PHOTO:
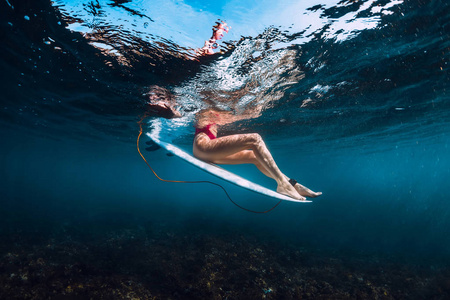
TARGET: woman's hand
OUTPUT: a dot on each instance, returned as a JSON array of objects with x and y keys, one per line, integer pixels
[{"x": 164, "y": 110}]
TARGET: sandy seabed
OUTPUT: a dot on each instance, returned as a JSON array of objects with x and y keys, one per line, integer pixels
[{"x": 157, "y": 261}]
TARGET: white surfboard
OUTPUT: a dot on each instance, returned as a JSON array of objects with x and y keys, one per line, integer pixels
[{"x": 217, "y": 171}]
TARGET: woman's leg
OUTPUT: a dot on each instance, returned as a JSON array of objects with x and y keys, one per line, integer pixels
[
  {"x": 244, "y": 157},
  {"x": 217, "y": 150},
  {"x": 248, "y": 157}
]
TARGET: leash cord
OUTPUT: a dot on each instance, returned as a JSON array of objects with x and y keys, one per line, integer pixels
[{"x": 202, "y": 181}]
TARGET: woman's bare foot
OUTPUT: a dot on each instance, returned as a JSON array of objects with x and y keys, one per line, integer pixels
[
  {"x": 304, "y": 191},
  {"x": 287, "y": 189}
]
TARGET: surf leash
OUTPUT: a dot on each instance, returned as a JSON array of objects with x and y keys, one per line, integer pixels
[{"x": 196, "y": 181}]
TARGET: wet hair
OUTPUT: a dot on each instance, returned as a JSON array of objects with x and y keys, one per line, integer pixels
[
  {"x": 161, "y": 101},
  {"x": 157, "y": 93}
]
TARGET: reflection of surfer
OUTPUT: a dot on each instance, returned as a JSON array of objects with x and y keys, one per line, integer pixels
[
  {"x": 210, "y": 45},
  {"x": 232, "y": 149}
]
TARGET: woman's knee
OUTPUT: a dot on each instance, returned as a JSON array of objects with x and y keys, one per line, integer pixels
[{"x": 255, "y": 139}]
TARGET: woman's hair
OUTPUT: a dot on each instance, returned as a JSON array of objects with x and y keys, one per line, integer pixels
[
  {"x": 157, "y": 93},
  {"x": 161, "y": 101}
]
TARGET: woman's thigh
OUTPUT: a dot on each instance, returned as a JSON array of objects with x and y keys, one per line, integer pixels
[
  {"x": 223, "y": 148},
  {"x": 241, "y": 157}
]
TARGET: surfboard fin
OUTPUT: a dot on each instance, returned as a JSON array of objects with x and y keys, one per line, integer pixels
[{"x": 152, "y": 146}]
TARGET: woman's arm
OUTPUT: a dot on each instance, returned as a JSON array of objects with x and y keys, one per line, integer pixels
[
  {"x": 164, "y": 110},
  {"x": 162, "y": 102}
]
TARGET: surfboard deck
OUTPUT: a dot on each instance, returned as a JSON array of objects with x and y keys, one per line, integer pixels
[{"x": 220, "y": 172}]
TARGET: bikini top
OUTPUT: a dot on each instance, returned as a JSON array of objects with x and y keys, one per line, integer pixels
[{"x": 206, "y": 130}]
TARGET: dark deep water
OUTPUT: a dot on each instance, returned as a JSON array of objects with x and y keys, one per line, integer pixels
[{"x": 354, "y": 104}]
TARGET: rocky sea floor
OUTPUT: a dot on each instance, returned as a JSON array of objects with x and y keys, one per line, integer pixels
[{"x": 126, "y": 260}]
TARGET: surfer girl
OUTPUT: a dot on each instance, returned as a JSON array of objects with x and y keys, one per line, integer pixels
[
  {"x": 248, "y": 148},
  {"x": 210, "y": 45}
]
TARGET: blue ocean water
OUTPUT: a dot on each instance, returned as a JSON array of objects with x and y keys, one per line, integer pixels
[{"x": 350, "y": 96}]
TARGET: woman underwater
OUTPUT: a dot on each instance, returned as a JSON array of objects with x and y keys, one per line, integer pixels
[{"x": 246, "y": 148}]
